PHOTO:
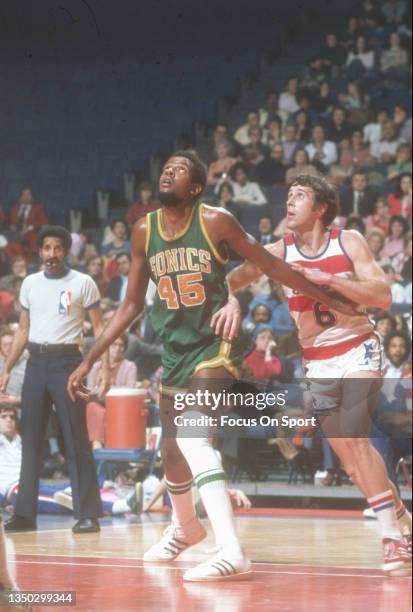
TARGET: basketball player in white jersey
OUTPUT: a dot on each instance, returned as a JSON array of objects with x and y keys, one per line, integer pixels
[{"x": 337, "y": 348}]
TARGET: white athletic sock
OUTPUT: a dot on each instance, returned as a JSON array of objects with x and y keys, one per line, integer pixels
[
  {"x": 5, "y": 579},
  {"x": 183, "y": 509},
  {"x": 383, "y": 506},
  {"x": 210, "y": 480},
  {"x": 404, "y": 518}
]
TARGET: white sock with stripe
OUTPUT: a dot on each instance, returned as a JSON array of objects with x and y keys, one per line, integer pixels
[
  {"x": 183, "y": 508},
  {"x": 211, "y": 482},
  {"x": 383, "y": 506},
  {"x": 5, "y": 578}
]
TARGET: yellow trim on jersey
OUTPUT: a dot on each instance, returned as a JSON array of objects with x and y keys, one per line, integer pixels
[
  {"x": 221, "y": 360},
  {"x": 171, "y": 391},
  {"x": 148, "y": 232},
  {"x": 181, "y": 233},
  {"x": 208, "y": 239}
]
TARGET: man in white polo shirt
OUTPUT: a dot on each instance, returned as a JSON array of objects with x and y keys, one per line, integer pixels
[{"x": 54, "y": 305}]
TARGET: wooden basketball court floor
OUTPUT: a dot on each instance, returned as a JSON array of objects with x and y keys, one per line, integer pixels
[{"x": 303, "y": 560}]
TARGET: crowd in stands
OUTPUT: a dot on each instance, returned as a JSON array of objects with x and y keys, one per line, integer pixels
[{"x": 346, "y": 117}]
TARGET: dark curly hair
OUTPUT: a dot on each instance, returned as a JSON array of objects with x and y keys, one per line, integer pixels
[{"x": 324, "y": 193}]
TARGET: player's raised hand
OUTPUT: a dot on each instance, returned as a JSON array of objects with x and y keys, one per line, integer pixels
[{"x": 226, "y": 320}]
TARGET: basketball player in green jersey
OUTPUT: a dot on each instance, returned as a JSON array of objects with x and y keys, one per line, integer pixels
[{"x": 183, "y": 248}]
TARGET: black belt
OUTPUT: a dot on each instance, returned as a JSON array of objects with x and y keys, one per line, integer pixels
[{"x": 62, "y": 349}]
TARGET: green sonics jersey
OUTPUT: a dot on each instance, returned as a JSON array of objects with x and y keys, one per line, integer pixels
[{"x": 190, "y": 277}]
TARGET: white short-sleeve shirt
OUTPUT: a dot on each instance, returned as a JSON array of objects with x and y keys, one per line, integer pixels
[{"x": 57, "y": 306}]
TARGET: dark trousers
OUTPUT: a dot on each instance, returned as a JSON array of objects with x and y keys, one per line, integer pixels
[{"x": 45, "y": 384}]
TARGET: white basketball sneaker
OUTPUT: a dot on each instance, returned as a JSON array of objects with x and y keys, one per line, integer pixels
[
  {"x": 176, "y": 540},
  {"x": 222, "y": 567}
]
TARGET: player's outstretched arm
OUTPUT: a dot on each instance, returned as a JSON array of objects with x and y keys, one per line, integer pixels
[
  {"x": 226, "y": 229},
  {"x": 132, "y": 305},
  {"x": 369, "y": 287}
]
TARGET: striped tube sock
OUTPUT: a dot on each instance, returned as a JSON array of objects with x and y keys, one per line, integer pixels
[
  {"x": 404, "y": 518},
  {"x": 182, "y": 502},
  {"x": 210, "y": 480},
  {"x": 383, "y": 506},
  {"x": 5, "y": 578}
]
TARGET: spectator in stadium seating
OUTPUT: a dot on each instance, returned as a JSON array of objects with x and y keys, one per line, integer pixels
[
  {"x": 361, "y": 54},
  {"x": 118, "y": 284},
  {"x": 271, "y": 171},
  {"x": 245, "y": 191},
  {"x": 397, "y": 290},
  {"x": 333, "y": 55},
  {"x": 394, "y": 243},
  {"x": 120, "y": 242},
  {"x": 18, "y": 269},
  {"x": 256, "y": 150},
  {"x": 305, "y": 104},
  {"x": 225, "y": 198},
  {"x": 15, "y": 385},
  {"x": 353, "y": 30},
  {"x": 123, "y": 374},
  {"x": 27, "y": 218},
  {"x": 265, "y": 230},
  {"x": 375, "y": 240},
  {"x": 280, "y": 321},
  {"x": 270, "y": 110},
  {"x": 274, "y": 131},
  {"x": 359, "y": 199},
  {"x": 321, "y": 150},
  {"x": 385, "y": 323},
  {"x": 262, "y": 362},
  {"x": 94, "y": 267},
  {"x": 370, "y": 13},
  {"x": 403, "y": 163},
  {"x": 403, "y": 122},
  {"x": 373, "y": 132},
  {"x": 400, "y": 202},
  {"x": 223, "y": 163},
  {"x": 242, "y": 135},
  {"x": 402, "y": 262},
  {"x": 288, "y": 98},
  {"x": 303, "y": 123},
  {"x": 385, "y": 150},
  {"x": 339, "y": 129},
  {"x": 394, "y": 60},
  {"x": 356, "y": 102},
  {"x": 393, "y": 11},
  {"x": 354, "y": 222},
  {"x": 381, "y": 217},
  {"x": 397, "y": 350},
  {"x": 145, "y": 351},
  {"x": 323, "y": 101},
  {"x": 220, "y": 134},
  {"x": 359, "y": 149},
  {"x": 145, "y": 203},
  {"x": 314, "y": 74},
  {"x": 291, "y": 143},
  {"x": 301, "y": 165},
  {"x": 342, "y": 172}
]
